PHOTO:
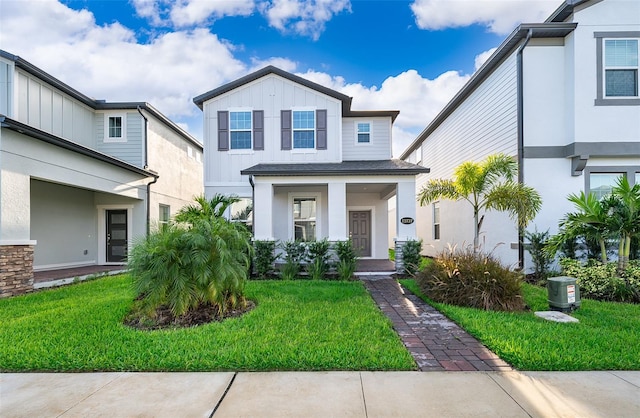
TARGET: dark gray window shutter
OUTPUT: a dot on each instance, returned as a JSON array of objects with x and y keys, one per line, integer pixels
[
  {"x": 321, "y": 128},
  {"x": 223, "y": 130},
  {"x": 285, "y": 125},
  {"x": 258, "y": 130}
]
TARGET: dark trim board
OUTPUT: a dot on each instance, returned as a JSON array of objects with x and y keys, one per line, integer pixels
[{"x": 588, "y": 149}]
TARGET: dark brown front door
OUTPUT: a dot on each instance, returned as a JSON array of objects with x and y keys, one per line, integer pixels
[
  {"x": 360, "y": 231},
  {"x": 116, "y": 236}
]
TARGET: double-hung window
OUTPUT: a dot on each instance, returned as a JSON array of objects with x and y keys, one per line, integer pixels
[
  {"x": 114, "y": 128},
  {"x": 436, "y": 220},
  {"x": 164, "y": 216},
  {"x": 304, "y": 218},
  {"x": 363, "y": 132},
  {"x": 240, "y": 130},
  {"x": 304, "y": 129},
  {"x": 621, "y": 67}
]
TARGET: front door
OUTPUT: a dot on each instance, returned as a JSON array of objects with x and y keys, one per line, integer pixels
[
  {"x": 360, "y": 231},
  {"x": 116, "y": 236}
]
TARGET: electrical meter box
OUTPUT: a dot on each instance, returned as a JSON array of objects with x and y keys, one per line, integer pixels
[{"x": 564, "y": 294}]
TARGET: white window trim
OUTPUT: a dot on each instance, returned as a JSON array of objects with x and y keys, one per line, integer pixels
[
  {"x": 302, "y": 195},
  {"x": 605, "y": 68},
  {"x": 433, "y": 221},
  {"x": 314, "y": 149},
  {"x": 123, "y": 117},
  {"x": 363, "y": 144},
  {"x": 240, "y": 150}
]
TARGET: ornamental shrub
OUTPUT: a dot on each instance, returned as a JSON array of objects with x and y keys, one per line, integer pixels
[
  {"x": 477, "y": 280},
  {"x": 602, "y": 282},
  {"x": 318, "y": 257},
  {"x": 264, "y": 259},
  {"x": 294, "y": 255},
  {"x": 347, "y": 259},
  {"x": 411, "y": 257}
]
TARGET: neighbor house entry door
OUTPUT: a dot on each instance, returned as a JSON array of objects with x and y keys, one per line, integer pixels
[
  {"x": 116, "y": 236},
  {"x": 360, "y": 231}
]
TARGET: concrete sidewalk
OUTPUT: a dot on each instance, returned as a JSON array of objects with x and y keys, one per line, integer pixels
[{"x": 321, "y": 394}]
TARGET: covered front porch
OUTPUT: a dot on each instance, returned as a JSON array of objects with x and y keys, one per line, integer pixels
[{"x": 334, "y": 201}]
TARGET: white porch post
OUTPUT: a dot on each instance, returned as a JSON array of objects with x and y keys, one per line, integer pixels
[
  {"x": 337, "y": 204},
  {"x": 405, "y": 209},
  {"x": 263, "y": 211}
]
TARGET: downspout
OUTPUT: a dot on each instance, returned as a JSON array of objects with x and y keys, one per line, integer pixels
[
  {"x": 146, "y": 166},
  {"x": 520, "y": 111}
]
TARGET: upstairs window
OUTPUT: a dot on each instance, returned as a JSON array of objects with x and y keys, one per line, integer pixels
[
  {"x": 115, "y": 128},
  {"x": 621, "y": 67},
  {"x": 304, "y": 129},
  {"x": 363, "y": 132},
  {"x": 240, "y": 130}
]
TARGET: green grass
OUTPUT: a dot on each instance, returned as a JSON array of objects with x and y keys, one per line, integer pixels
[
  {"x": 606, "y": 338},
  {"x": 301, "y": 325}
]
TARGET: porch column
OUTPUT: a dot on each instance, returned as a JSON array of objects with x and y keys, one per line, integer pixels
[
  {"x": 337, "y": 204},
  {"x": 405, "y": 210},
  {"x": 263, "y": 211}
]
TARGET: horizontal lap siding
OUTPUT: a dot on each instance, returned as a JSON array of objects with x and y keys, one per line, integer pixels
[
  {"x": 485, "y": 123},
  {"x": 378, "y": 149},
  {"x": 132, "y": 150}
]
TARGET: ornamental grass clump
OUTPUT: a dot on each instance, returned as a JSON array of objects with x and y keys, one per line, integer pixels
[{"x": 471, "y": 279}]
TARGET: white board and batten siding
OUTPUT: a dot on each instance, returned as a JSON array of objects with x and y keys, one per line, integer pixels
[
  {"x": 379, "y": 146},
  {"x": 483, "y": 124},
  {"x": 48, "y": 109},
  {"x": 271, "y": 94}
]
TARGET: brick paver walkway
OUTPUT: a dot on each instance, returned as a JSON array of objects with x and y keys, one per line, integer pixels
[{"x": 434, "y": 341}]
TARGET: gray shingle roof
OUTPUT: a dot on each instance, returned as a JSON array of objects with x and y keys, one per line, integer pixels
[{"x": 377, "y": 167}]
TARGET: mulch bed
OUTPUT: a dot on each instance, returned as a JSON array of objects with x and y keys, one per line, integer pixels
[{"x": 164, "y": 319}]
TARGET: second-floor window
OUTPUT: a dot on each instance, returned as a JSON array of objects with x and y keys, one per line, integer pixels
[
  {"x": 240, "y": 130},
  {"x": 364, "y": 132},
  {"x": 304, "y": 129},
  {"x": 115, "y": 128},
  {"x": 621, "y": 67}
]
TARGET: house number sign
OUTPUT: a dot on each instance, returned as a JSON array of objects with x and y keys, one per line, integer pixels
[{"x": 406, "y": 221}]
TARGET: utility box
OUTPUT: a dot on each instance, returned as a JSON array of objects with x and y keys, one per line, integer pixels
[{"x": 564, "y": 294}]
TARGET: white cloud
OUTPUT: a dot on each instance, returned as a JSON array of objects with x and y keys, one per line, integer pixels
[
  {"x": 192, "y": 12},
  {"x": 417, "y": 98},
  {"x": 107, "y": 62},
  {"x": 151, "y": 10},
  {"x": 302, "y": 17},
  {"x": 482, "y": 57},
  {"x": 500, "y": 16}
]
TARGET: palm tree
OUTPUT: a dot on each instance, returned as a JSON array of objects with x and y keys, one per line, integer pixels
[
  {"x": 486, "y": 185},
  {"x": 205, "y": 208},
  {"x": 591, "y": 220},
  {"x": 625, "y": 217}
]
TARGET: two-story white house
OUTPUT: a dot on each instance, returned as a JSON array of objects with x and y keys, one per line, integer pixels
[
  {"x": 81, "y": 179},
  {"x": 560, "y": 96},
  {"x": 309, "y": 165}
]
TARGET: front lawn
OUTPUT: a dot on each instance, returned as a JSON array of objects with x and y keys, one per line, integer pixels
[
  {"x": 607, "y": 337},
  {"x": 300, "y": 325}
]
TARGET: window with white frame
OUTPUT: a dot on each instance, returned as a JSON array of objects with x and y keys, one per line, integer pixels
[
  {"x": 304, "y": 218},
  {"x": 242, "y": 211},
  {"x": 436, "y": 220},
  {"x": 304, "y": 129},
  {"x": 115, "y": 128},
  {"x": 164, "y": 216},
  {"x": 621, "y": 68},
  {"x": 601, "y": 184},
  {"x": 240, "y": 130},
  {"x": 363, "y": 132}
]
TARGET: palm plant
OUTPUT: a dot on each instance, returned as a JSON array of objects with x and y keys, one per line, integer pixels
[
  {"x": 624, "y": 214},
  {"x": 205, "y": 208},
  {"x": 590, "y": 220},
  {"x": 487, "y": 185}
]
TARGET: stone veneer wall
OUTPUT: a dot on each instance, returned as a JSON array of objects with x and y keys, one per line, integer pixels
[
  {"x": 399, "y": 260},
  {"x": 16, "y": 270}
]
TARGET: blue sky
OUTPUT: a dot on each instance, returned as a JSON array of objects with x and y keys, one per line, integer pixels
[{"x": 411, "y": 56}]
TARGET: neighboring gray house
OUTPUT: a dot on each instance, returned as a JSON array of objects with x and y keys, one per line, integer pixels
[
  {"x": 80, "y": 178},
  {"x": 560, "y": 96},
  {"x": 309, "y": 165}
]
